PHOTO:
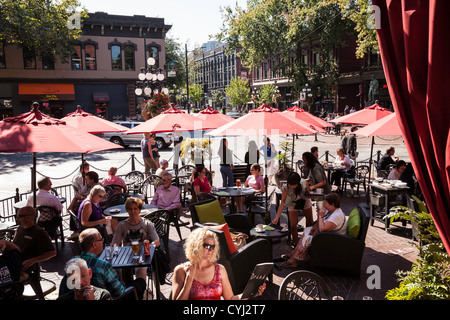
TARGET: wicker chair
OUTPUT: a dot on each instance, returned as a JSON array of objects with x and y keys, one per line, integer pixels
[{"x": 303, "y": 285}]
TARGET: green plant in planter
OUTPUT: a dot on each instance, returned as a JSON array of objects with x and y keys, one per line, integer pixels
[{"x": 429, "y": 278}]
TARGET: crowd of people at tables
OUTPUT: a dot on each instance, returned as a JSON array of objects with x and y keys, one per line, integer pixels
[{"x": 191, "y": 280}]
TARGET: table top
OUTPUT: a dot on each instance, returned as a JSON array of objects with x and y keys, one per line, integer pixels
[
  {"x": 268, "y": 234},
  {"x": 120, "y": 212},
  {"x": 124, "y": 257},
  {"x": 233, "y": 192},
  {"x": 23, "y": 203},
  {"x": 388, "y": 187}
]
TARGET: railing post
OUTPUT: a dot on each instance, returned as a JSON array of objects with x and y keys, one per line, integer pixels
[
  {"x": 326, "y": 155},
  {"x": 133, "y": 167},
  {"x": 17, "y": 196},
  {"x": 378, "y": 155}
]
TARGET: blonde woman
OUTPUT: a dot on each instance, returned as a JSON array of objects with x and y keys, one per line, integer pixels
[{"x": 202, "y": 278}]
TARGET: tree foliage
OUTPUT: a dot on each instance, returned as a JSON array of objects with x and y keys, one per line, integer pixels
[
  {"x": 175, "y": 53},
  {"x": 238, "y": 91},
  {"x": 41, "y": 26},
  {"x": 282, "y": 30},
  {"x": 196, "y": 92}
]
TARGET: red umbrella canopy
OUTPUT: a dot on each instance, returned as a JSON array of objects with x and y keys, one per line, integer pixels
[
  {"x": 265, "y": 121},
  {"x": 304, "y": 115},
  {"x": 364, "y": 116},
  {"x": 91, "y": 123},
  {"x": 387, "y": 126},
  {"x": 213, "y": 117},
  {"x": 36, "y": 132},
  {"x": 169, "y": 120}
]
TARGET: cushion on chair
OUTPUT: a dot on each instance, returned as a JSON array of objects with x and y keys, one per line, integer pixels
[
  {"x": 353, "y": 224},
  {"x": 226, "y": 232},
  {"x": 422, "y": 207},
  {"x": 210, "y": 212}
]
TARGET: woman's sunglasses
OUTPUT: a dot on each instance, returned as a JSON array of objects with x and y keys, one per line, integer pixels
[{"x": 209, "y": 247}]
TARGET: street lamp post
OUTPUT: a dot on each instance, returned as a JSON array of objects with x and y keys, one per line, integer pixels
[{"x": 151, "y": 80}]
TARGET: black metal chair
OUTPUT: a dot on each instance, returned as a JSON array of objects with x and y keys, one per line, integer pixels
[
  {"x": 261, "y": 206},
  {"x": 137, "y": 177},
  {"x": 145, "y": 189},
  {"x": 40, "y": 286},
  {"x": 356, "y": 177},
  {"x": 302, "y": 169},
  {"x": 11, "y": 291},
  {"x": 50, "y": 219},
  {"x": 161, "y": 221},
  {"x": 303, "y": 285},
  {"x": 116, "y": 199}
]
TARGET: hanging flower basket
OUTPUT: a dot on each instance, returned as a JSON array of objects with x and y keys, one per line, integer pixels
[{"x": 158, "y": 103}]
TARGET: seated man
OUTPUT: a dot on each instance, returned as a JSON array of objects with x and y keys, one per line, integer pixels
[
  {"x": 79, "y": 282},
  {"x": 10, "y": 263},
  {"x": 44, "y": 197},
  {"x": 103, "y": 274},
  {"x": 386, "y": 159},
  {"x": 34, "y": 243},
  {"x": 167, "y": 196},
  {"x": 164, "y": 164}
]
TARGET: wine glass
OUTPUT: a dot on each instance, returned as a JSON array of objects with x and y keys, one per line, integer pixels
[{"x": 135, "y": 247}]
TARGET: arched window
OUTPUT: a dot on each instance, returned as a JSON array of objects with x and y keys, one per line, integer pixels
[
  {"x": 75, "y": 58},
  {"x": 116, "y": 58},
  {"x": 90, "y": 57},
  {"x": 129, "y": 58}
]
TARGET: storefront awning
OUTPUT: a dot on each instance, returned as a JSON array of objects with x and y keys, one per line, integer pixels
[
  {"x": 100, "y": 97},
  {"x": 46, "y": 91}
]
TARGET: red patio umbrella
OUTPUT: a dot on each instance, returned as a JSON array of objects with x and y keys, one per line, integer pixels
[
  {"x": 36, "y": 132},
  {"x": 304, "y": 115},
  {"x": 364, "y": 116},
  {"x": 91, "y": 123},
  {"x": 167, "y": 120},
  {"x": 265, "y": 121},
  {"x": 387, "y": 126},
  {"x": 214, "y": 117}
]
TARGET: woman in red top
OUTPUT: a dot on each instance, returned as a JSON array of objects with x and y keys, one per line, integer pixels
[
  {"x": 202, "y": 278},
  {"x": 201, "y": 182}
]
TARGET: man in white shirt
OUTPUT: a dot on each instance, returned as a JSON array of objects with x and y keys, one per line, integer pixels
[{"x": 44, "y": 197}]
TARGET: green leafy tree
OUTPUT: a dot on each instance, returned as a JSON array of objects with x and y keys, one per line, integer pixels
[
  {"x": 47, "y": 28},
  {"x": 196, "y": 93},
  {"x": 217, "y": 98},
  {"x": 266, "y": 92},
  {"x": 175, "y": 54},
  {"x": 282, "y": 30},
  {"x": 238, "y": 92}
]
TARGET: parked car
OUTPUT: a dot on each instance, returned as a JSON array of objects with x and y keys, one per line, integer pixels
[{"x": 163, "y": 140}]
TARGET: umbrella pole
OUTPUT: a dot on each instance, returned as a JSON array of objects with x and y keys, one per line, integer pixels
[
  {"x": 82, "y": 170},
  {"x": 293, "y": 152},
  {"x": 33, "y": 180},
  {"x": 266, "y": 179}
]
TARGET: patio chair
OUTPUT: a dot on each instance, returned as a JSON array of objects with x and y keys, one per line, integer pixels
[
  {"x": 7, "y": 234},
  {"x": 356, "y": 177},
  {"x": 161, "y": 221},
  {"x": 116, "y": 199},
  {"x": 341, "y": 252},
  {"x": 303, "y": 285},
  {"x": 210, "y": 211},
  {"x": 302, "y": 169},
  {"x": 261, "y": 206},
  {"x": 50, "y": 219},
  {"x": 40, "y": 286}
]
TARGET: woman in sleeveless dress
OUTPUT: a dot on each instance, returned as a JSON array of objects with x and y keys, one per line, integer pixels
[{"x": 202, "y": 278}]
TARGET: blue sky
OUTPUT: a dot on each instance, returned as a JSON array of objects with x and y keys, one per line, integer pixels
[{"x": 192, "y": 20}]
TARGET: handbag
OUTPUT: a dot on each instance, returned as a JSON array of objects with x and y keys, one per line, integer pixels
[{"x": 239, "y": 239}]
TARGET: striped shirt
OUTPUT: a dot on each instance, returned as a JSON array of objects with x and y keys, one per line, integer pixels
[{"x": 103, "y": 274}]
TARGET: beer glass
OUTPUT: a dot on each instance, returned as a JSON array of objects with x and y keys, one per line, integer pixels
[
  {"x": 135, "y": 248},
  {"x": 238, "y": 183}
]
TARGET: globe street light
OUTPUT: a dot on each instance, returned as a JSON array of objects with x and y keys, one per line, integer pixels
[{"x": 151, "y": 80}]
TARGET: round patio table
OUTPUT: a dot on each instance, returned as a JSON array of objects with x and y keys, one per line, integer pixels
[
  {"x": 119, "y": 211},
  {"x": 233, "y": 192}
]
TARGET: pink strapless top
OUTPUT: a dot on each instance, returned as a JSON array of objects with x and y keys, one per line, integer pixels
[{"x": 207, "y": 291}]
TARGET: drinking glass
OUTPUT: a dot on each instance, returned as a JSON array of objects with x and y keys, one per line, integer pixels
[
  {"x": 135, "y": 247},
  {"x": 238, "y": 183}
]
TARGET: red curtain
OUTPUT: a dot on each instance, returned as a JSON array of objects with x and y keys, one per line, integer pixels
[{"x": 414, "y": 39}]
